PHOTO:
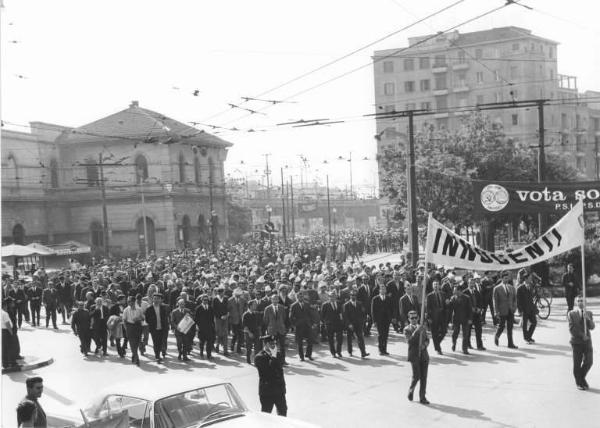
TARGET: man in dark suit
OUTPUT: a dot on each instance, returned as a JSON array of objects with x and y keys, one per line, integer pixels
[
  {"x": 99, "y": 316},
  {"x": 301, "y": 319},
  {"x": 251, "y": 321},
  {"x": 527, "y": 307},
  {"x": 460, "y": 306},
  {"x": 236, "y": 306},
  {"x": 354, "y": 318},
  {"x": 35, "y": 302},
  {"x": 487, "y": 290},
  {"x": 408, "y": 303},
  {"x": 363, "y": 295},
  {"x": 157, "y": 317},
  {"x": 50, "y": 301},
  {"x": 476, "y": 313},
  {"x": 436, "y": 315},
  {"x": 331, "y": 314},
  {"x": 570, "y": 283},
  {"x": 219, "y": 306},
  {"x": 205, "y": 320},
  {"x": 271, "y": 383},
  {"x": 382, "y": 310},
  {"x": 416, "y": 336},
  {"x": 505, "y": 305},
  {"x": 581, "y": 342},
  {"x": 81, "y": 325}
]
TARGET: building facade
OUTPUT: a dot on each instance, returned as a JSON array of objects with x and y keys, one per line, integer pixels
[
  {"x": 130, "y": 182},
  {"x": 456, "y": 70}
]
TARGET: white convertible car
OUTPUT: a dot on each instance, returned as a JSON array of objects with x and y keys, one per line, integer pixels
[{"x": 174, "y": 401}]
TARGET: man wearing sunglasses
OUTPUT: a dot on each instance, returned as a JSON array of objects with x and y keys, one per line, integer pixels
[{"x": 416, "y": 336}]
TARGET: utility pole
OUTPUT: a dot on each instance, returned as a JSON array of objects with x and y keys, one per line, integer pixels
[
  {"x": 328, "y": 210},
  {"x": 141, "y": 178},
  {"x": 351, "y": 192},
  {"x": 541, "y": 173},
  {"x": 292, "y": 207},
  {"x": 283, "y": 222},
  {"x": 104, "y": 209},
  {"x": 268, "y": 173},
  {"x": 412, "y": 192},
  {"x": 213, "y": 234}
]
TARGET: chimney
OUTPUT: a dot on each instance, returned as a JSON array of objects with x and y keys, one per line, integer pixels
[{"x": 134, "y": 104}]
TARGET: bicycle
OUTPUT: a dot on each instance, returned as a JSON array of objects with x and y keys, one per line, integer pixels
[{"x": 542, "y": 302}]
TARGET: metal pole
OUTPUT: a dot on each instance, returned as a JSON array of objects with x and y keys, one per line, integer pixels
[
  {"x": 144, "y": 216},
  {"x": 292, "y": 196},
  {"x": 283, "y": 224},
  {"x": 412, "y": 192},
  {"x": 328, "y": 210},
  {"x": 351, "y": 192},
  {"x": 267, "y": 173},
  {"x": 212, "y": 216},
  {"x": 541, "y": 161},
  {"x": 288, "y": 218},
  {"x": 104, "y": 209}
]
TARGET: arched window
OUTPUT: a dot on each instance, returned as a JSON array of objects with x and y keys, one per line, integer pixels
[
  {"x": 96, "y": 234},
  {"x": 142, "y": 236},
  {"x": 186, "y": 230},
  {"x": 91, "y": 172},
  {"x": 18, "y": 234},
  {"x": 53, "y": 173},
  {"x": 181, "y": 168},
  {"x": 141, "y": 169},
  {"x": 197, "y": 175}
]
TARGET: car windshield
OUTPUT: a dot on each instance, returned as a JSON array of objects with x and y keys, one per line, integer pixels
[{"x": 199, "y": 406}]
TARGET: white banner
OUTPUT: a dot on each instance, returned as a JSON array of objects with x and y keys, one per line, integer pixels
[{"x": 444, "y": 247}]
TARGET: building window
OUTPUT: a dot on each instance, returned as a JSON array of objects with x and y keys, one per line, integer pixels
[
  {"x": 96, "y": 234},
  {"x": 563, "y": 121},
  {"x": 596, "y": 124},
  {"x": 389, "y": 108},
  {"x": 426, "y": 106},
  {"x": 441, "y": 102},
  {"x": 440, "y": 83},
  {"x": 515, "y": 46},
  {"x": 515, "y": 119},
  {"x": 479, "y": 76},
  {"x": 424, "y": 63},
  {"x": 388, "y": 66},
  {"x": 18, "y": 234},
  {"x": 91, "y": 172},
  {"x": 579, "y": 144},
  {"x": 197, "y": 175},
  {"x": 141, "y": 169},
  {"x": 439, "y": 61},
  {"x": 389, "y": 88},
  {"x": 410, "y": 106},
  {"x": 211, "y": 171},
  {"x": 514, "y": 71},
  {"x": 409, "y": 86},
  {"x": 462, "y": 100},
  {"x": 478, "y": 53},
  {"x": 581, "y": 163},
  {"x": 551, "y": 74},
  {"x": 409, "y": 64},
  {"x": 425, "y": 85},
  {"x": 550, "y": 52},
  {"x": 53, "y": 173},
  {"x": 181, "y": 168},
  {"x": 461, "y": 57},
  {"x": 479, "y": 99}
]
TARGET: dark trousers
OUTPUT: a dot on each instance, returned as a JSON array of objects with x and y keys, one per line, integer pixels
[
  {"x": 528, "y": 330},
  {"x": 303, "y": 332},
  {"x": 488, "y": 301},
  {"x": 456, "y": 327},
  {"x": 120, "y": 346},
  {"x": 85, "y": 339},
  {"x": 383, "y": 330},
  {"x": 237, "y": 337},
  {"x": 207, "y": 340},
  {"x": 65, "y": 310},
  {"x": 22, "y": 312},
  {"x": 335, "y": 338},
  {"x": 359, "y": 339},
  {"x": 419, "y": 374},
  {"x": 134, "y": 335},
  {"x": 476, "y": 325},
  {"x": 9, "y": 356},
  {"x": 251, "y": 343},
  {"x": 100, "y": 339},
  {"x": 35, "y": 306},
  {"x": 368, "y": 325},
  {"x": 583, "y": 358},
  {"x": 570, "y": 296},
  {"x": 438, "y": 331},
  {"x": 51, "y": 313},
  {"x": 280, "y": 338},
  {"x": 158, "y": 338},
  {"x": 268, "y": 401},
  {"x": 508, "y": 321},
  {"x": 144, "y": 342}
]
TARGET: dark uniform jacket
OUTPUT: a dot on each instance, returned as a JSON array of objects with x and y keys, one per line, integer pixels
[
  {"x": 50, "y": 298},
  {"x": 355, "y": 314},
  {"x": 332, "y": 318},
  {"x": 382, "y": 310},
  {"x": 270, "y": 372},
  {"x": 205, "y": 320},
  {"x": 436, "y": 306},
  {"x": 460, "y": 307},
  {"x": 300, "y": 316},
  {"x": 81, "y": 321},
  {"x": 525, "y": 303},
  {"x": 150, "y": 316}
]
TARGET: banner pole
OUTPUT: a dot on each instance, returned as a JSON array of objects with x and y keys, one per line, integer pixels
[
  {"x": 585, "y": 332},
  {"x": 424, "y": 293}
]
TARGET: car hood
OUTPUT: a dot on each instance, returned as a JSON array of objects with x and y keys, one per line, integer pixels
[{"x": 263, "y": 420}]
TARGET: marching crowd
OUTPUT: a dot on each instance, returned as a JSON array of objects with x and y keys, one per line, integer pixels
[{"x": 225, "y": 302}]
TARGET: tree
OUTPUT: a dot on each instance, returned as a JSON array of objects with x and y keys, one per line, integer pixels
[
  {"x": 447, "y": 162},
  {"x": 240, "y": 220}
]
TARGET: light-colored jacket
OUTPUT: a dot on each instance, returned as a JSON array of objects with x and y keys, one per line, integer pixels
[{"x": 275, "y": 323}]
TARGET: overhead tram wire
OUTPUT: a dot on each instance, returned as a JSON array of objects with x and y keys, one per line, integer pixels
[
  {"x": 378, "y": 59},
  {"x": 303, "y": 75}
]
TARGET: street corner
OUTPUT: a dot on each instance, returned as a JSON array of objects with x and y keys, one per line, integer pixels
[{"x": 28, "y": 363}]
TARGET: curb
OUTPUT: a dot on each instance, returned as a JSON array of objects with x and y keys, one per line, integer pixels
[{"x": 25, "y": 366}]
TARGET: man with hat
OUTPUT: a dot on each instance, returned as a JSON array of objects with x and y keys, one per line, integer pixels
[{"x": 271, "y": 383}]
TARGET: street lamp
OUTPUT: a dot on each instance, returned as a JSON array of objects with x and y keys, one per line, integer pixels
[{"x": 334, "y": 210}]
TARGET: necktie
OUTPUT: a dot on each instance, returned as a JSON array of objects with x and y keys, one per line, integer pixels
[
  {"x": 101, "y": 312},
  {"x": 334, "y": 308},
  {"x": 275, "y": 307},
  {"x": 439, "y": 299}
]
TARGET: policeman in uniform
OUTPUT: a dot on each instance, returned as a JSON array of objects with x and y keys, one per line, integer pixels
[{"x": 271, "y": 383}]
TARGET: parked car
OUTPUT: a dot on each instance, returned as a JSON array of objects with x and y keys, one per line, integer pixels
[{"x": 173, "y": 401}]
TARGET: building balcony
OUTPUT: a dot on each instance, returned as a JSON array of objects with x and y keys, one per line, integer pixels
[
  {"x": 439, "y": 68},
  {"x": 460, "y": 66},
  {"x": 439, "y": 92},
  {"x": 461, "y": 88},
  {"x": 440, "y": 115}
]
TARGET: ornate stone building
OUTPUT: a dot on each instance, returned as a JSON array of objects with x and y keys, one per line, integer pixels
[{"x": 131, "y": 180}]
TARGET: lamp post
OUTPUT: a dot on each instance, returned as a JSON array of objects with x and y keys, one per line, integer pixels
[
  {"x": 334, "y": 210},
  {"x": 269, "y": 228}
]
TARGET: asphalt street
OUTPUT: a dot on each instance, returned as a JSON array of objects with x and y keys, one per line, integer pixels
[{"x": 527, "y": 387}]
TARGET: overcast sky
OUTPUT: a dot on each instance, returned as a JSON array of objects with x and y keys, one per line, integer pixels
[{"x": 83, "y": 60}]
